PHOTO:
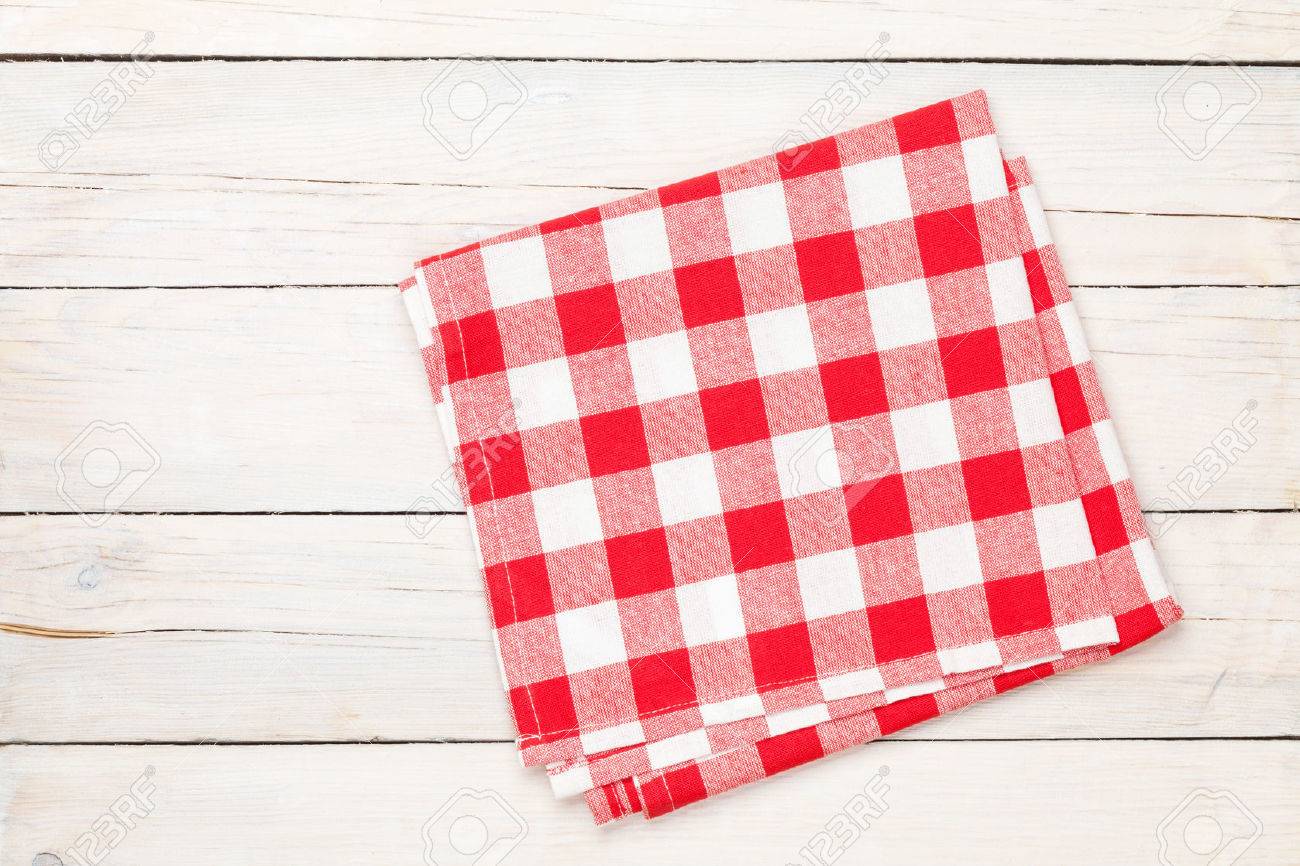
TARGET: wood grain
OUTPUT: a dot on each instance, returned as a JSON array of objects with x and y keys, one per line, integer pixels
[
  {"x": 369, "y": 803},
  {"x": 768, "y": 29},
  {"x": 309, "y": 172},
  {"x": 315, "y": 400},
  {"x": 373, "y": 576},
  {"x": 280, "y": 628},
  {"x": 1206, "y": 678},
  {"x": 103, "y": 230}
]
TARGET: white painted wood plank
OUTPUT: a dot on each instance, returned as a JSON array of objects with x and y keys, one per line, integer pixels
[
  {"x": 104, "y": 230},
  {"x": 769, "y": 29},
  {"x": 977, "y": 803},
  {"x": 372, "y": 575},
  {"x": 315, "y": 400},
  {"x": 1205, "y": 678},
  {"x": 1091, "y": 133},
  {"x": 351, "y": 628},
  {"x": 323, "y": 173}
]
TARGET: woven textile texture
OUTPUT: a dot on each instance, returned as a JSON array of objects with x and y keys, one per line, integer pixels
[{"x": 781, "y": 459}]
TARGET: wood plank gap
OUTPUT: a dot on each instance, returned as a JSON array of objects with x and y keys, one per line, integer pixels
[
  {"x": 452, "y": 741},
  {"x": 344, "y": 513},
  {"x": 506, "y": 58}
]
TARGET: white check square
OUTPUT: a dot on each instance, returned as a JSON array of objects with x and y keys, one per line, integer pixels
[
  {"x": 984, "y": 171},
  {"x": 877, "y": 192},
  {"x": 516, "y": 271},
  {"x": 604, "y": 739},
  {"x": 973, "y": 657},
  {"x": 852, "y": 684},
  {"x": 782, "y": 340},
  {"x": 1063, "y": 535},
  {"x": 1033, "y": 407},
  {"x": 710, "y": 610},
  {"x": 567, "y": 515},
  {"x": 830, "y": 583},
  {"x": 806, "y": 462},
  {"x": 1111, "y": 455},
  {"x": 799, "y": 717},
  {"x": 687, "y": 488},
  {"x": 757, "y": 218},
  {"x": 732, "y": 710},
  {"x": 542, "y": 393},
  {"x": 662, "y": 367},
  {"x": 949, "y": 558},
  {"x": 1009, "y": 289},
  {"x": 1072, "y": 328},
  {"x": 590, "y": 637},
  {"x": 674, "y": 750},
  {"x": 1037, "y": 218},
  {"x": 925, "y": 436},
  {"x": 637, "y": 244},
  {"x": 900, "y": 314},
  {"x": 1090, "y": 632},
  {"x": 1153, "y": 581}
]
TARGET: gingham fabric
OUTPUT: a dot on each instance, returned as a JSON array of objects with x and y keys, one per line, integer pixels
[{"x": 781, "y": 459}]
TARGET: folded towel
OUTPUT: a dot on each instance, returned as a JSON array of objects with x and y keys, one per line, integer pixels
[{"x": 781, "y": 459}]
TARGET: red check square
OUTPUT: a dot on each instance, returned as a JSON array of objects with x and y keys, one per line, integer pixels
[
  {"x": 972, "y": 362},
  {"x": 949, "y": 240},
  {"x": 927, "y": 127},
  {"x": 759, "y": 536},
  {"x": 615, "y": 441},
  {"x": 734, "y": 414},
  {"x": 901, "y": 629},
  {"x": 544, "y": 707},
  {"x": 662, "y": 680},
  {"x": 996, "y": 485},
  {"x": 589, "y": 319},
  {"x": 781, "y": 655},
  {"x": 709, "y": 292},
  {"x": 1018, "y": 604},
  {"x": 854, "y": 387},
  {"x": 639, "y": 563},
  {"x": 828, "y": 266}
]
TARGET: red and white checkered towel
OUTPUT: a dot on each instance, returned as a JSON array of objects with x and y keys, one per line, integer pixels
[{"x": 782, "y": 459}]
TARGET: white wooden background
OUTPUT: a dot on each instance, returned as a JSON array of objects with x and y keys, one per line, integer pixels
[{"x": 309, "y": 681}]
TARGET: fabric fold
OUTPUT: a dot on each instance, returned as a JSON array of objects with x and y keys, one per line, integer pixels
[{"x": 782, "y": 459}]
